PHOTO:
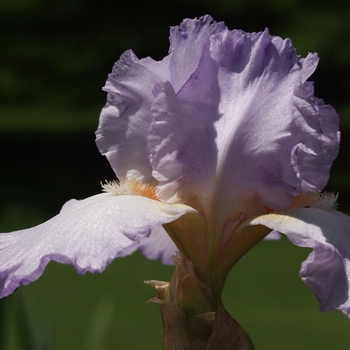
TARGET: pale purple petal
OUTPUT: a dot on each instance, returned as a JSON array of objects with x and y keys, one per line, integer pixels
[
  {"x": 262, "y": 133},
  {"x": 126, "y": 118},
  {"x": 187, "y": 42},
  {"x": 183, "y": 164},
  {"x": 312, "y": 164},
  {"x": 158, "y": 246},
  {"x": 273, "y": 236},
  {"x": 327, "y": 269},
  {"x": 268, "y": 114},
  {"x": 88, "y": 234}
]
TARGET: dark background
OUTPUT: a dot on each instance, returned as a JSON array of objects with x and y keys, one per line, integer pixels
[{"x": 55, "y": 57}]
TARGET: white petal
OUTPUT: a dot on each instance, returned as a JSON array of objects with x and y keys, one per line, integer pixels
[{"x": 88, "y": 234}]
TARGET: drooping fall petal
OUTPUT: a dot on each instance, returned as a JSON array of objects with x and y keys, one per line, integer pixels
[
  {"x": 327, "y": 269},
  {"x": 88, "y": 234},
  {"x": 158, "y": 246}
]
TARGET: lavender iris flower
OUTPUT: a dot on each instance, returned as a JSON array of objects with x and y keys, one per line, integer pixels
[{"x": 215, "y": 146}]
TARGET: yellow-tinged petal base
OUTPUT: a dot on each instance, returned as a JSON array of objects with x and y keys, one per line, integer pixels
[{"x": 192, "y": 318}]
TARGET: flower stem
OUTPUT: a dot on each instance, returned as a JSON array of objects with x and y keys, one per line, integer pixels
[{"x": 192, "y": 319}]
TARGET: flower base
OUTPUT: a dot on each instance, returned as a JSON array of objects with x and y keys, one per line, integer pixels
[{"x": 191, "y": 318}]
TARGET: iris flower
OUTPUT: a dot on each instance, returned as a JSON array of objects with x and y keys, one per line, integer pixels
[{"x": 214, "y": 147}]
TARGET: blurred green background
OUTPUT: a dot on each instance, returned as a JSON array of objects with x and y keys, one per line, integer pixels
[{"x": 54, "y": 60}]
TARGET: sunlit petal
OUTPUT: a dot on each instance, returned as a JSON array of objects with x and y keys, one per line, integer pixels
[
  {"x": 327, "y": 269},
  {"x": 88, "y": 234},
  {"x": 245, "y": 124},
  {"x": 186, "y": 47},
  {"x": 126, "y": 118}
]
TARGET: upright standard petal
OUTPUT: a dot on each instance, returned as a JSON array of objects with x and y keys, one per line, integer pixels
[
  {"x": 263, "y": 134},
  {"x": 327, "y": 269},
  {"x": 269, "y": 115},
  {"x": 125, "y": 120},
  {"x": 186, "y": 47},
  {"x": 243, "y": 135},
  {"x": 88, "y": 234},
  {"x": 227, "y": 88}
]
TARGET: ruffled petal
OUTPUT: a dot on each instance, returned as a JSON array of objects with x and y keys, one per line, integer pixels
[
  {"x": 327, "y": 269},
  {"x": 182, "y": 137},
  {"x": 125, "y": 120},
  {"x": 269, "y": 115},
  {"x": 88, "y": 234},
  {"x": 261, "y": 131},
  {"x": 186, "y": 46},
  {"x": 184, "y": 154}
]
